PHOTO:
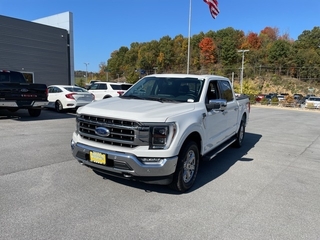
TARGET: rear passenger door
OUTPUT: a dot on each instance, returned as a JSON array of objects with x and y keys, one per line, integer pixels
[
  {"x": 99, "y": 90},
  {"x": 232, "y": 111}
]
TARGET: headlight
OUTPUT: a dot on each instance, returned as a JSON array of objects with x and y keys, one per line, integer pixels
[{"x": 161, "y": 136}]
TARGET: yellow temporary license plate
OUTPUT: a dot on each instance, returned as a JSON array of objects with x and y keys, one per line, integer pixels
[{"x": 98, "y": 158}]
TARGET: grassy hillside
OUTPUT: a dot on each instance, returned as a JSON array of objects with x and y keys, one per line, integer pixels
[
  {"x": 276, "y": 84},
  {"x": 265, "y": 85}
]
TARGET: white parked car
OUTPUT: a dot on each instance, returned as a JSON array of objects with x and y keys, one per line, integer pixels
[
  {"x": 281, "y": 98},
  {"x": 313, "y": 100},
  {"x": 61, "y": 97},
  {"x": 102, "y": 90}
]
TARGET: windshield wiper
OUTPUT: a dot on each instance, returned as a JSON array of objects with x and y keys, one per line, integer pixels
[
  {"x": 132, "y": 97},
  {"x": 159, "y": 99}
]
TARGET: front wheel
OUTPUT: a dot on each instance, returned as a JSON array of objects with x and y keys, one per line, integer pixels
[
  {"x": 34, "y": 112},
  {"x": 187, "y": 167}
]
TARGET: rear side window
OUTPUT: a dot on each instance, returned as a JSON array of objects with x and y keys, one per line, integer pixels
[
  {"x": 102, "y": 86},
  {"x": 226, "y": 91},
  {"x": 13, "y": 77},
  {"x": 115, "y": 87},
  {"x": 125, "y": 86}
]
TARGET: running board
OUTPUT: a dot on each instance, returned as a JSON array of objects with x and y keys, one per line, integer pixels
[{"x": 218, "y": 149}]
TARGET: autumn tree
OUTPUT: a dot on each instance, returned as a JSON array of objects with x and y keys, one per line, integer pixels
[
  {"x": 166, "y": 54},
  {"x": 207, "y": 48},
  {"x": 253, "y": 40},
  {"x": 180, "y": 49}
]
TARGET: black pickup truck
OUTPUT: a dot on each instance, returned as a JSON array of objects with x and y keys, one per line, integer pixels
[{"x": 16, "y": 93}]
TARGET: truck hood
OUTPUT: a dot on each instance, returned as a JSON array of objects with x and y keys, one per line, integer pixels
[{"x": 136, "y": 110}]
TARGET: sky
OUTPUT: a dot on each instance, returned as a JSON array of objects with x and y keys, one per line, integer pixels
[{"x": 103, "y": 26}]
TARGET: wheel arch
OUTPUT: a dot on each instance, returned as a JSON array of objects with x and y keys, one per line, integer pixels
[
  {"x": 195, "y": 137},
  {"x": 244, "y": 118}
]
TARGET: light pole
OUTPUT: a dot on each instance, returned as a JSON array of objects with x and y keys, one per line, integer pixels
[
  {"x": 241, "y": 79},
  {"x": 86, "y": 71},
  {"x": 155, "y": 70}
]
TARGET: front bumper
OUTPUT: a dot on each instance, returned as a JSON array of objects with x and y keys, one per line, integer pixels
[{"x": 126, "y": 165}]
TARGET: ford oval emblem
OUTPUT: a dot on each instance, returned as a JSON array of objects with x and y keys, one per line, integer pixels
[
  {"x": 102, "y": 131},
  {"x": 24, "y": 90}
]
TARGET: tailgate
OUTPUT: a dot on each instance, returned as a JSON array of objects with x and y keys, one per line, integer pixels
[{"x": 23, "y": 91}]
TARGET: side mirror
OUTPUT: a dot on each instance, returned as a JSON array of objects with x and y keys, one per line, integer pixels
[{"x": 217, "y": 104}]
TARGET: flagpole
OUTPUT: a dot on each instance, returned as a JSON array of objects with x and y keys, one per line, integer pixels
[{"x": 189, "y": 38}]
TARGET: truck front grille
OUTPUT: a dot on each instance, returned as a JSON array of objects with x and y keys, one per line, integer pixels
[{"x": 122, "y": 132}]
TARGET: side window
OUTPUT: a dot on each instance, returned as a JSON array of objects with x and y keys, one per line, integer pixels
[
  {"x": 212, "y": 91},
  {"x": 93, "y": 86},
  {"x": 56, "y": 90},
  {"x": 226, "y": 91},
  {"x": 50, "y": 90},
  {"x": 102, "y": 86}
]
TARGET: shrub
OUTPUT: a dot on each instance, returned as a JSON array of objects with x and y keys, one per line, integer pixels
[
  {"x": 264, "y": 101},
  {"x": 274, "y": 101},
  {"x": 310, "y": 105},
  {"x": 252, "y": 99}
]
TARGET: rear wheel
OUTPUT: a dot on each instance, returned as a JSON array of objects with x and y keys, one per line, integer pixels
[
  {"x": 240, "y": 134},
  {"x": 58, "y": 106},
  {"x": 34, "y": 112},
  {"x": 187, "y": 167}
]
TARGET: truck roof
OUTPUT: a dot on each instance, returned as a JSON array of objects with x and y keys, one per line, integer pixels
[{"x": 180, "y": 75}]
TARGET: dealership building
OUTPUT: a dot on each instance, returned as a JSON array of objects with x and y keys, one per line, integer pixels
[{"x": 42, "y": 49}]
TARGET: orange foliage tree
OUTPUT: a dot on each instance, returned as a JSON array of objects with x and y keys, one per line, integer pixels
[
  {"x": 254, "y": 40},
  {"x": 207, "y": 50}
]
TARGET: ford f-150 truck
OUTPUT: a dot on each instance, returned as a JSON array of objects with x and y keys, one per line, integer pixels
[
  {"x": 160, "y": 129},
  {"x": 16, "y": 93}
]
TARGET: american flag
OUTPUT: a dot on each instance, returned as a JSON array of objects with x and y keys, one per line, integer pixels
[{"x": 213, "y": 7}]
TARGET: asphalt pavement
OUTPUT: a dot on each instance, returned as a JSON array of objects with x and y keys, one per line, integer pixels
[{"x": 268, "y": 189}]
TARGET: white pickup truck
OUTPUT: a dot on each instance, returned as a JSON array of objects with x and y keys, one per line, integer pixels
[{"x": 160, "y": 129}]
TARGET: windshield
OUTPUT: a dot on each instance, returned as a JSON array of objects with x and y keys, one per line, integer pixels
[{"x": 166, "y": 89}]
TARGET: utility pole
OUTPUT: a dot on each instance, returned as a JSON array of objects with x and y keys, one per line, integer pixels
[
  {"x": 241, "y": 78},
  {"x": 86, "y": 71},
  {"x": 155, "y": 70}
]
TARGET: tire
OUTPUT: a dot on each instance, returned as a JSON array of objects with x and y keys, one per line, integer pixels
[
  {"x": 187, "y": 167},
  {"x": 34, "y": 112},
  {"x": 240, "y": 134},
  {"x": 58, "y": 106}
]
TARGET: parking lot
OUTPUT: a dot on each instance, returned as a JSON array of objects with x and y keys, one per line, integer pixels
[{"x": 268, "y": 189}]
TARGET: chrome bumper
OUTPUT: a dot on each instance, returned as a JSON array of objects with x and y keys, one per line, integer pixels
[
  {"x": 125, "y": 164},
  {"x": 14, "y": 104}
]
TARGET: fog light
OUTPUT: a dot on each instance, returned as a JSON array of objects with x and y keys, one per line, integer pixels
[{"x": 72, "y": 144}]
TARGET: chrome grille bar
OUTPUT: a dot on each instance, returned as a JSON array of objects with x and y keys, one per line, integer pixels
[{"x": 122, "y": 132}]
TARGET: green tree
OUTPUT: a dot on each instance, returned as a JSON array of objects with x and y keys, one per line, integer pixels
[
  {"x": 279, "y": 53},
  {"x": 166, "y": 54}
]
